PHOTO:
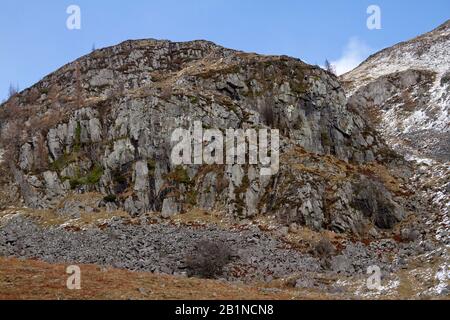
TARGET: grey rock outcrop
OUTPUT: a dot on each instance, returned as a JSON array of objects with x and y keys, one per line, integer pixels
[{"x": 121, "y": 104}]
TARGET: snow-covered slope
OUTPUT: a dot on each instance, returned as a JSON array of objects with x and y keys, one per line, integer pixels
[
  {"x": 406, "y": 91},
  {"x": 430, "y": 51}
]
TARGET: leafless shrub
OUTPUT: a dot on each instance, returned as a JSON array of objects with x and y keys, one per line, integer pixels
[
  {"x": 324, "y": 248},
  {"x": 208, "y": 259}
]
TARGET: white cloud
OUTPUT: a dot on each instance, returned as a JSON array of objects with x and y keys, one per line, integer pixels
[{"x": 353, "y": 54}]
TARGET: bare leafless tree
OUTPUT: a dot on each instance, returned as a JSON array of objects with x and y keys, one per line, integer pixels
[
  {"x": 13, "y": 90},
  {"x": 41, "y": 153},
  {"x": 11, "y": 139},
  {"x": 329, "y": 67},
  {"x": 79, "y": 99}
]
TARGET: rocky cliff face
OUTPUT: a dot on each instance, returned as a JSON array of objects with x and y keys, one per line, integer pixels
[
  {"x": 88, "y": 151},
  {"x": 103, "y": 124}
]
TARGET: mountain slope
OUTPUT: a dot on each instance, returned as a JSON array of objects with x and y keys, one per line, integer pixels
[
  {"x": 405, "y": 92},
  {"x": 90, "y": 145},
  {"x": 406, "y": 89}
]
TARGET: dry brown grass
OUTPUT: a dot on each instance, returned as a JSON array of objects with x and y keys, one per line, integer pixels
[
  {"x": 51, "y": 218},
  {"x": 29, "y": 279},
  {"x": 35, "y": 280},
  {"x": 197, "y": 216}
]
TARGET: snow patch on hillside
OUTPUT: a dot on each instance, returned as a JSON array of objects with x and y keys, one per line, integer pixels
[{"x": 429, "y": 52}]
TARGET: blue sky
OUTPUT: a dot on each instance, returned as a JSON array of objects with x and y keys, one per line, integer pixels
[{"x": 35, "y": 41}]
